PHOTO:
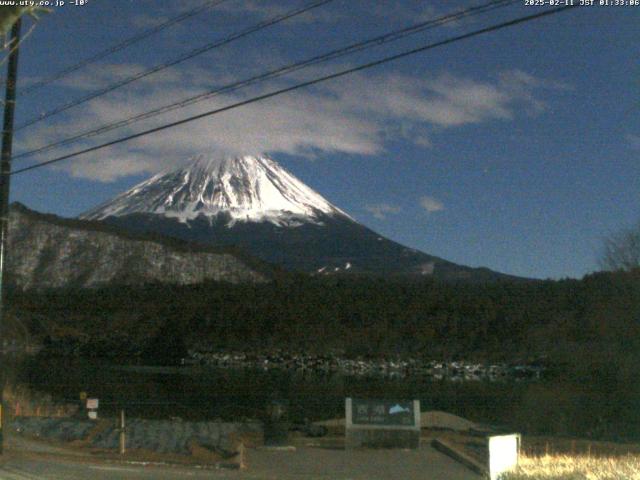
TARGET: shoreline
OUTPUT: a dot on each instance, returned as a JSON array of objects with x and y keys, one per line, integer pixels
[{"x": 384, "y": 367}]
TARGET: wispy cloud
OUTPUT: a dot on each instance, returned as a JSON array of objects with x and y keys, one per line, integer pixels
[
  {"x": 409, "y": 12},
  {"x": 262, "y": 10},
  {"x": 228, "y": 10},
  {"x": 148, "y": 20},
  {"x": 431, "y": 204},
  {"x": 381, "y": 210},
  {"x": 98, "y": 76},
  {"x": 633, "y": 141},
  {"x": 349, "y": 116},
  {"x": 404, "y": 12}
]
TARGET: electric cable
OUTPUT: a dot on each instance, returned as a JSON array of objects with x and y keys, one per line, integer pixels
[
  {"x": 305, "y": 84},
  {"x": 332, "y": 55},
  {"x": 122, "y": 45},
  {"x": 171, "y": 63}
]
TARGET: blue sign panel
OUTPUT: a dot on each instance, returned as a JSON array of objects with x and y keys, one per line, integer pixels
[{"x": 383, "y": 413}]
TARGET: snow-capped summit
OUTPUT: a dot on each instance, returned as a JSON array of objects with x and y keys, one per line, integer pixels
[
  {"x": 255, "y": 205},
  {"x": 247, "y": 189}
]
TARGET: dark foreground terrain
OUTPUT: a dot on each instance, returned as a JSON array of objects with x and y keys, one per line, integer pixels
[{"x": 585, "y": 333}]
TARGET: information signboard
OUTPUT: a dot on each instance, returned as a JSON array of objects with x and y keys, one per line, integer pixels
[
  {"x": 382, "y": 423},
  {"x": 382, "y": 412}
]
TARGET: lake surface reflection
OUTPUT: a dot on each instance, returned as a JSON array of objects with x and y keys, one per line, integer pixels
[{"x": 199, "y": 393}]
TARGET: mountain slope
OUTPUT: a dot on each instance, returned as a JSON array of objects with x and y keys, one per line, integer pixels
[
  {"x": 246, "y": 189},
  {"x": 255, "y": 204},
  {"x": 51, "y": 252}
]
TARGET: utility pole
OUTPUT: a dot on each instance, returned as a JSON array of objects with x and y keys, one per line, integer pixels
[{"x": 5, "y": 172}]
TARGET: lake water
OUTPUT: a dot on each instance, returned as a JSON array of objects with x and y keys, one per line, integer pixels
[{"x": 199, "y": 393}]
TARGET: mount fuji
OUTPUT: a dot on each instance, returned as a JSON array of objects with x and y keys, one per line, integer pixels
[{"x": 255, "y": 204}]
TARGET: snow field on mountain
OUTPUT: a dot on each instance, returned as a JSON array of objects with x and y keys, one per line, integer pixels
[{"x": 247, "y": 189}]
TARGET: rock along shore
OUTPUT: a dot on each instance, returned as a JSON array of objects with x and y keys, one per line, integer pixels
[{"x": 400, "y": 368}]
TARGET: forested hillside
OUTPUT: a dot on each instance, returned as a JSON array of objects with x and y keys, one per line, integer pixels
[{"x": 356, "y": 316}]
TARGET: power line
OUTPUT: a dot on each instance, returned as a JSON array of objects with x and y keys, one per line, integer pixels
[
  {"x": 298, "y": 86},
  {"x": 193, "y": 53},
  {"x": 122, "y": 45},
  {"x": 332, "y": 55}
]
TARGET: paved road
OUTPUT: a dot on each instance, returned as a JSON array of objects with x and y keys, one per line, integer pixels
[
  {"x": 324, "y": 464},
  {"x": 313, "y": 464},
  {"x": 50, "y": 469},
  {"x": 22, "y": 462}
]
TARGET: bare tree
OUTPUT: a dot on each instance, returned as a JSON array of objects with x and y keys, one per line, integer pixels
[
  {"x": 622, "y": 250},
  {"x": 10, "y": 15}
]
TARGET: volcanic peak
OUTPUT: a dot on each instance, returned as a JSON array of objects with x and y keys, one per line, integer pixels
[{"x": 246, "y": 188}]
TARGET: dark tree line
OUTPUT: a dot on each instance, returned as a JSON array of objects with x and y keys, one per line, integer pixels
[{"x": 355, "y": 316}]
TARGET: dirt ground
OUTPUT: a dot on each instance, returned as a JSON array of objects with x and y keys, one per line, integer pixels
[{"x": 311, "y": 459}]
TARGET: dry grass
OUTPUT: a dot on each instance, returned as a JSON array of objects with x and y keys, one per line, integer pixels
[
  {"x": 22, "y": 401},
  {"x": 577, "y": 467}
]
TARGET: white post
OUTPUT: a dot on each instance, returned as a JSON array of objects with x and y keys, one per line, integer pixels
[{"x": 122, "y": 434}]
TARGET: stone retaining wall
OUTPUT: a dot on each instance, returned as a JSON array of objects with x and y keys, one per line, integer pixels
[{"x": 162, "y": 436}]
